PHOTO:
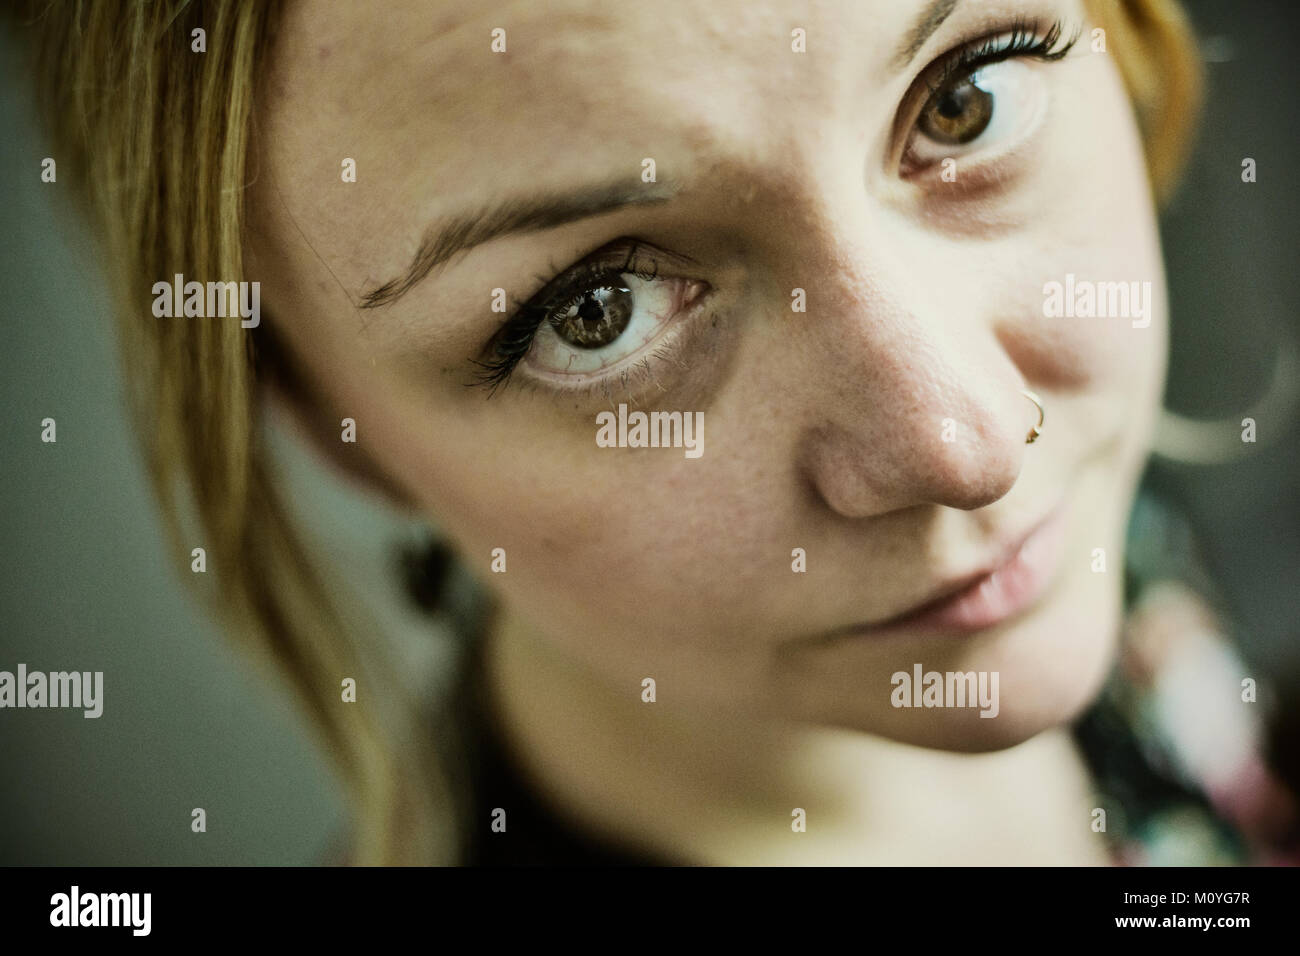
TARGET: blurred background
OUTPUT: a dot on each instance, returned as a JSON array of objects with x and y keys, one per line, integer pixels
[{"x": 88, "y": 583}]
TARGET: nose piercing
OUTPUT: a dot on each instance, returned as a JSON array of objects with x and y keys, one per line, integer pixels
[{"x": 1037, "y": 429}]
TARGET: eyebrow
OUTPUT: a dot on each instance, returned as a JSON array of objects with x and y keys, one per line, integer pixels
[
  {"x": 931, "y": 19},
  {"x": 517, "y": 215}
]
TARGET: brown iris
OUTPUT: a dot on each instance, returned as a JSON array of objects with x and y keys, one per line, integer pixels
[
  {"x": 957, "y": 113},
  {"x": 596, "y": 318}
]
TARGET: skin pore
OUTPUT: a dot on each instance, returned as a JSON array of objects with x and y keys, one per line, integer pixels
[{"x": 775, "y": 171}]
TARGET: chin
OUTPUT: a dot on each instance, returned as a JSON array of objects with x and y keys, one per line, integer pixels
[{"x": 1050, "y": 667}]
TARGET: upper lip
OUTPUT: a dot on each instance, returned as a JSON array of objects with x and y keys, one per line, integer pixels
[{"x": 956, "y": 584}]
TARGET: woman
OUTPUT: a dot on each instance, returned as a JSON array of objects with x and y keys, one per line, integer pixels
[{"x": 883, "y": 280}]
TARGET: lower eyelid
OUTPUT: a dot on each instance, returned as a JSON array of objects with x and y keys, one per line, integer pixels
[{"x": 638, "y": 382}]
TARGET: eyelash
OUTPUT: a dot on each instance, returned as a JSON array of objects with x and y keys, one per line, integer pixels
[
  {"x": 513, "y": 340},
  {"x": 1024, "y": 38}
]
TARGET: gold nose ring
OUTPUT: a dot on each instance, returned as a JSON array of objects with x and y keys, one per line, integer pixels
[{"x": 1037, "y": 429}]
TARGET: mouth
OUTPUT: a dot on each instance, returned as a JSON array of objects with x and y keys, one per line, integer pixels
[{"x": 1007, "y": 588}]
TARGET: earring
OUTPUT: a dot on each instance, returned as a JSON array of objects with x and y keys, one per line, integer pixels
[{"x": 1037, "y": 429}]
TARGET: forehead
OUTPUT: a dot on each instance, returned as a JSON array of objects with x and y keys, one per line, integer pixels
[
  {"x": 438, "y": 122},
  {"x": 578, "y": 81}
]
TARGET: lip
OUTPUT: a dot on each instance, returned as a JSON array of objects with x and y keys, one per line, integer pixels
[{"x": 999, "y": 593}]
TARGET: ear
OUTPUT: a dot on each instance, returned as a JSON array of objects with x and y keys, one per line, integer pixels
[{"x": 292, "y": 409}]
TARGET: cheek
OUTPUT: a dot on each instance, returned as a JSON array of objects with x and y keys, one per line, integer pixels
[
  {"x": 1106, "y": 234},
  {"x": 631, "y": 564},
  {"x": 598, "y": 541},
  {"x": 1081, "y": 292}
]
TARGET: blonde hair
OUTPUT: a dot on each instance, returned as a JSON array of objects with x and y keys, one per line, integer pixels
[{"x": 158, "y": 139}]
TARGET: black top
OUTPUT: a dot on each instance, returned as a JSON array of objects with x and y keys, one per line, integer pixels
[{"x": 535, "y": 834}]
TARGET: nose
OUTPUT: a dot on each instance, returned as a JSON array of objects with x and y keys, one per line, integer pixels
[{"x": 917, "y": 401}]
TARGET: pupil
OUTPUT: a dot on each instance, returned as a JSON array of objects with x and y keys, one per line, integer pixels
[
  {"x": 954, "y": 102},
  {"x": 959, "y": 113},
  {"x": 590, "y": 310},
  {"x": 596, "y": 319}
]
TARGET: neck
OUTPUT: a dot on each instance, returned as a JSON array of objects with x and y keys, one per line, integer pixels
[{"x": 717, "y": 786}]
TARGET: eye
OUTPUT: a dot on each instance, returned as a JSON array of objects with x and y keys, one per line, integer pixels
[
  {"x": 602, "y": 326},
  {"x": 984, "y": 96},
  {"x": 597, "y": 317},
  {"x": 958, "y": 113},
  {"x": 990, "y": 108},
  {"x": 602, "y": 315}
]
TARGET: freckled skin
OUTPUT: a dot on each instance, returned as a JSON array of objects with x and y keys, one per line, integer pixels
[{"x": 822, "y": 428}]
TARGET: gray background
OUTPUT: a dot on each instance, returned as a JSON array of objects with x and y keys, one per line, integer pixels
[{"x": 86, "y": 583}]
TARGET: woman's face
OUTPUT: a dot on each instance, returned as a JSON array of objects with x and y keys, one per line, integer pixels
[{"x": 853, "y": 316}]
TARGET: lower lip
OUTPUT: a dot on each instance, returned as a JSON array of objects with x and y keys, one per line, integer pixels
[{"x": 997, "y": 597}]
